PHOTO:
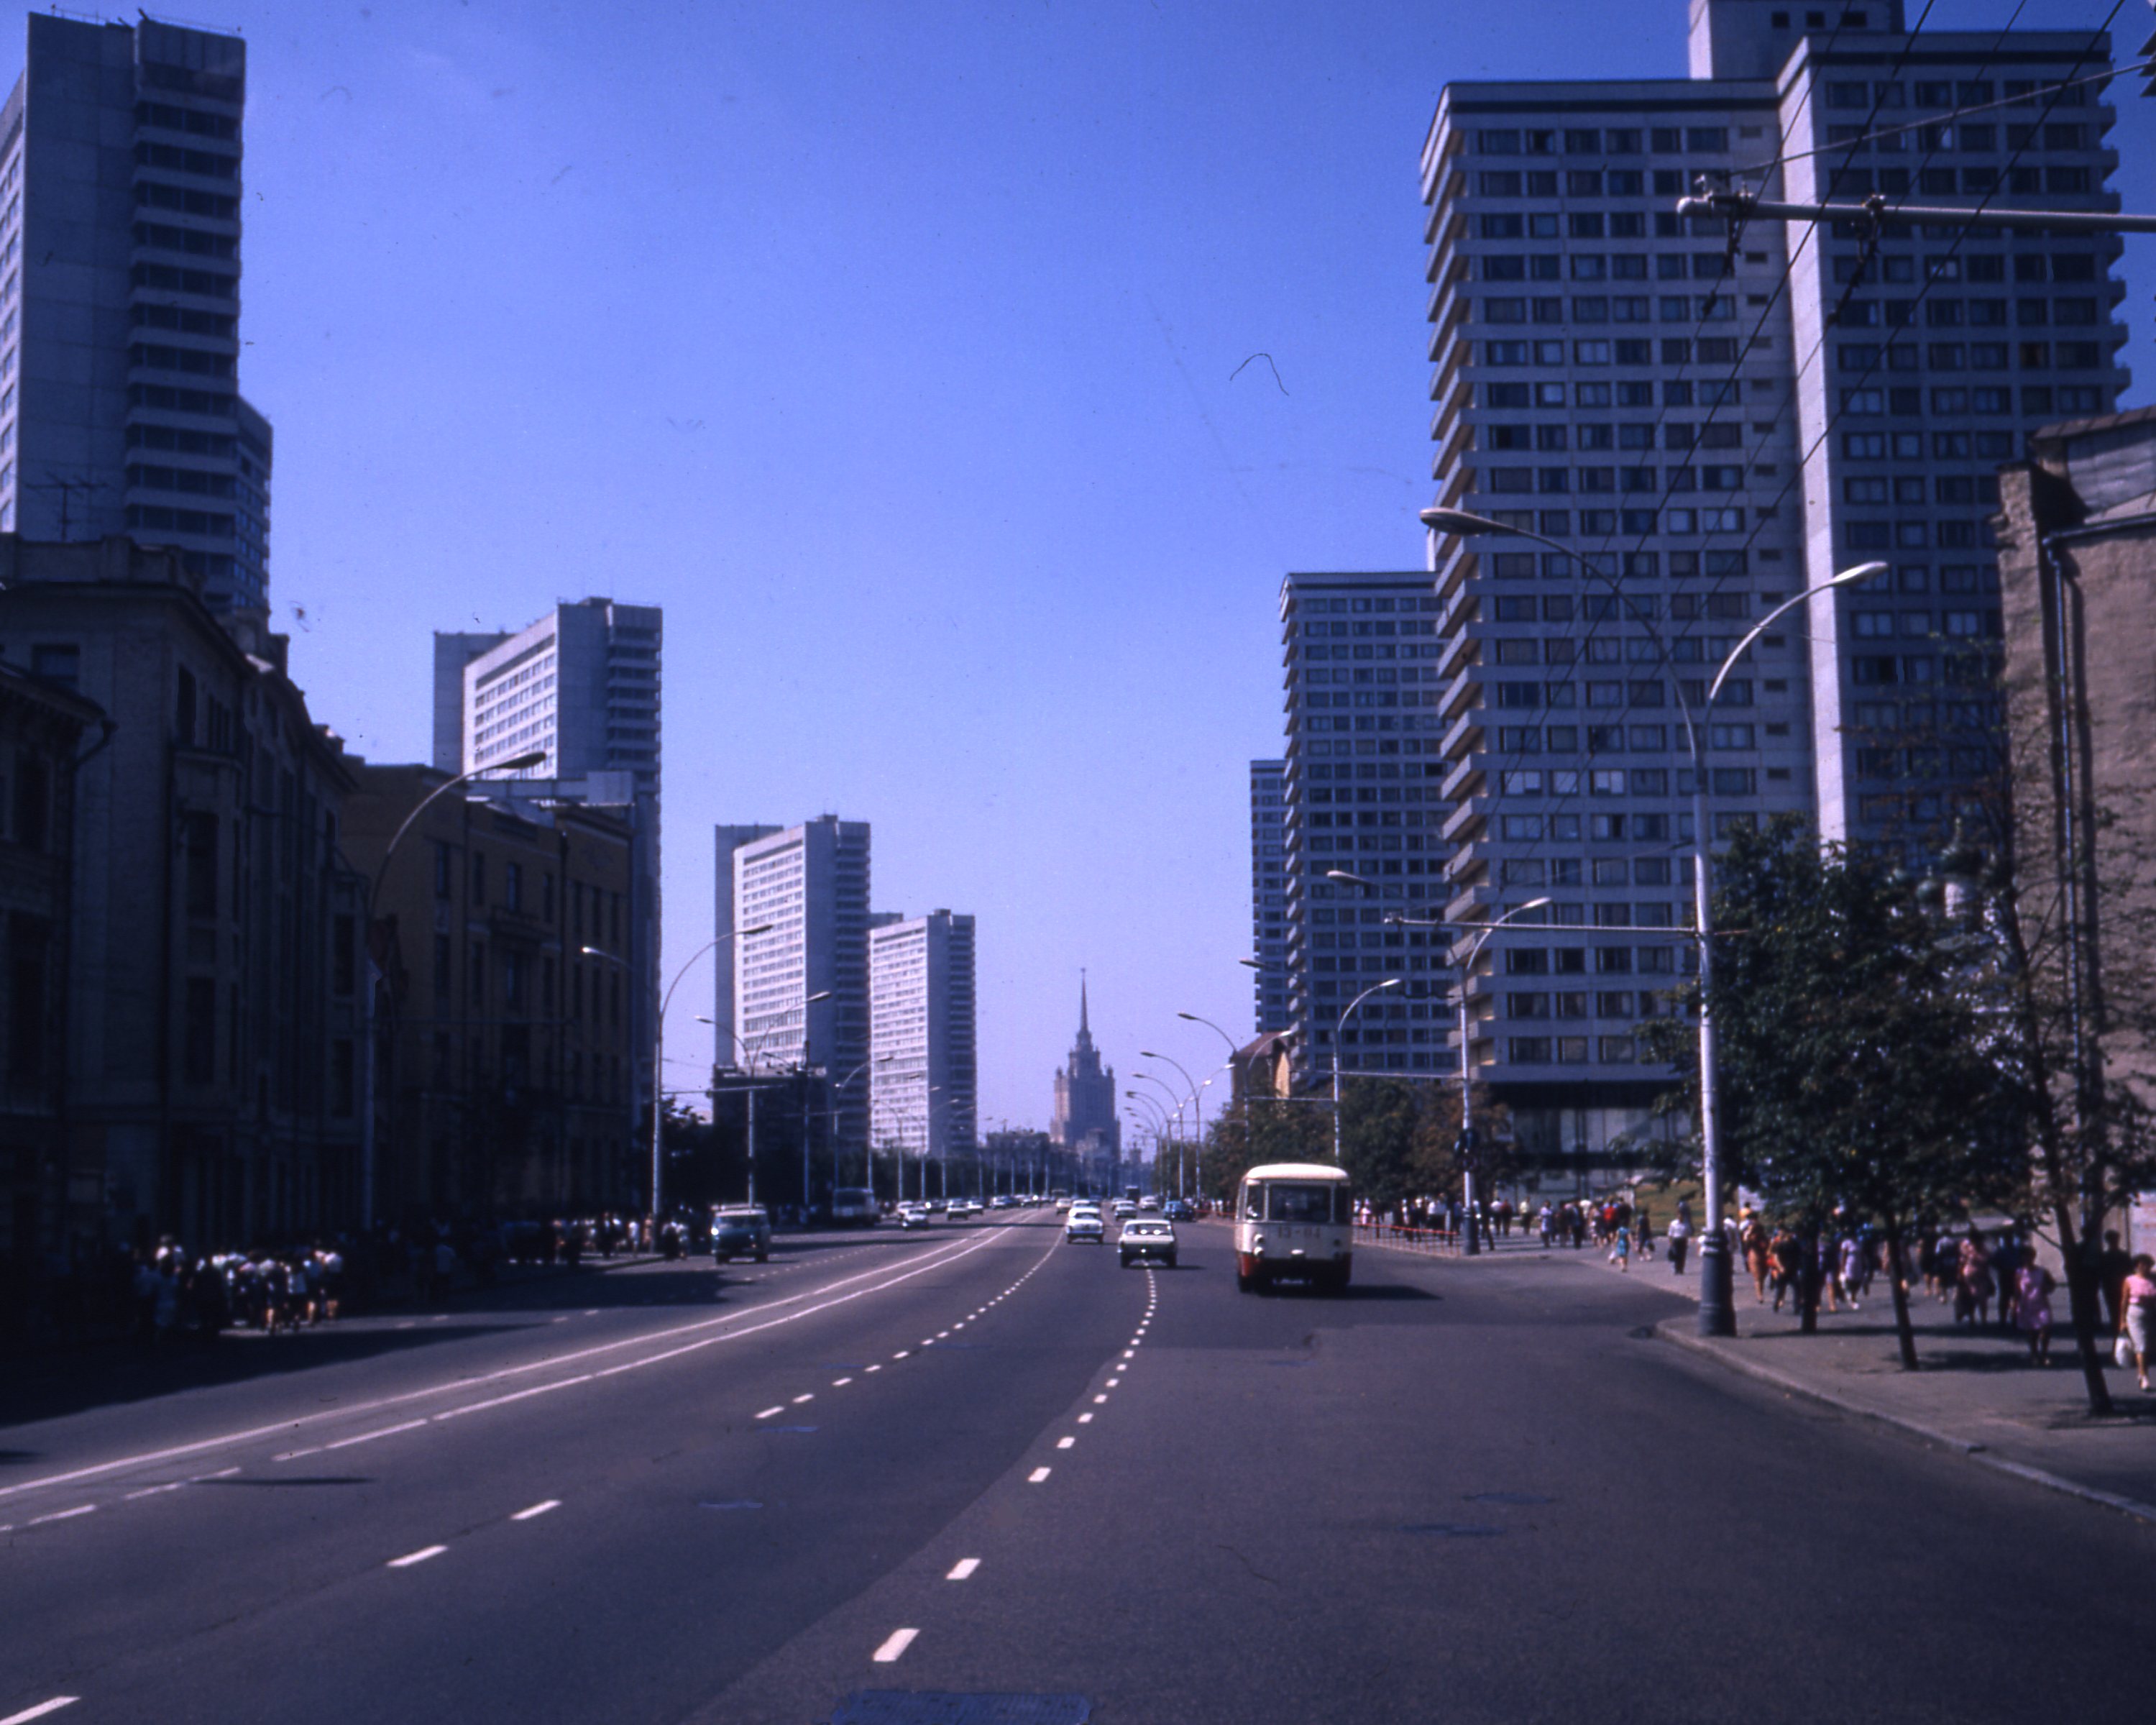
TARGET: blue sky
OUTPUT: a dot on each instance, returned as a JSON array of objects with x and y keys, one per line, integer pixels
[{"x": 893, "y": 350}]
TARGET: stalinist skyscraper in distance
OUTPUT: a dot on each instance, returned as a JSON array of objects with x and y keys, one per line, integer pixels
[{"x": 1085, "y": 1123}]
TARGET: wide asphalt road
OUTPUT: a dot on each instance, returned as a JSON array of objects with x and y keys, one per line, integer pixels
[{"x": 889, "y": 1470}]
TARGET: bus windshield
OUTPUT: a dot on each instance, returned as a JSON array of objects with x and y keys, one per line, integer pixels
[{"x": 1292, "y": 1202}]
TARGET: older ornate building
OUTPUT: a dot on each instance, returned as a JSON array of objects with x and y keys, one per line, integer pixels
[{"x": 1084, "y": 1123}]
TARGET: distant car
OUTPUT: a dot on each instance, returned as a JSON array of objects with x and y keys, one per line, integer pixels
[
  {"x": 1061, "y": 1205},
  {"x": 1003, "y": 1201},
  {"x": 1147, "y": 1238},
  {"x": 853, "y": 1207},
  {"x": 1125, "y": 1207},
  {"x": 740, "y": 1230},
  {"x": 913, "y": 1215},
  {"x": 1083, "y": 1224},
  {"x": 963, "y": 1208},
  {"x": 1177, "y": 1211},
  {"x": 1149, "y": 1202},
  {"x": 934, "y": 1206}
]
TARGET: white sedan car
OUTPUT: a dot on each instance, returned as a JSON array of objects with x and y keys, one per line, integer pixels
[
  {"x": 1083, "y": 1224},
  {"x": 1149, "y": 1238}
]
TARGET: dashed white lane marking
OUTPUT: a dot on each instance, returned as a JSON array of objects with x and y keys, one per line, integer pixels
[
  {"x": 1113, "y": 1382},
  {"x": 420, "y": 1556},
  {"x": 872, "y": 1369},
  {"x": 1084, "y": 1419},
  {"x": 1064, "y": 1443},
  {"x": 962, "y": 1569},
  {"x": 840, "y": 1383},
  {"x": 40, "y": 1710},
  {"x": 537, "y": 1510},
  {"x": 768, "y": 1413},
  {"x": 223, "y": 1473},
  {"x": 294, "y": 1455},
  {"x": 558, "y": 1320},
  {"x": 153, "y": 1490},
  {"x": 62, "y": 1514},
  {"x": 809, "y": 1397},
  {"x": 1098, "y": 1400},
  {"x": 591, "y": 1312},
  {"x": 369, "y": 1436},
  {"x": 893, "y": 1645},
  {"x": 901, "y": 1353},
  {"x": 1037, "y": 1476}
]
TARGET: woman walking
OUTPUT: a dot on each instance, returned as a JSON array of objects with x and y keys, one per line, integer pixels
[
  {"x": 2032, "y": 1310},
  {"x": 2137, "y": 1316}
]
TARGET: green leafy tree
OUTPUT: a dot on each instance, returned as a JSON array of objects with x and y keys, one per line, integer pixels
[{"x": 1857, "y": 1081}]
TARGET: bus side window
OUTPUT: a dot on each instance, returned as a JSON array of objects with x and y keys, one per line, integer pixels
[
  {"x": 1254, "y": 1203},
  {"x": 1341, "y": 1209}
]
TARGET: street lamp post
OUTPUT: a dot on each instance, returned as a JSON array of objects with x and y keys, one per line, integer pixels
[
  {"x": 516, "y": 763},
  {"x": 1339, "y": 1030},
  {"x": 1196, "y": 1111},
  {"x": 1168, "y": 1091},
  {"x": 1717, "y": 1317},
  {"x": 1466, "y": 1079}
]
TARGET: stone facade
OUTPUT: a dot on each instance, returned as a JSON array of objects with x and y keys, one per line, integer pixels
[{"x": 505, "y": 1086}]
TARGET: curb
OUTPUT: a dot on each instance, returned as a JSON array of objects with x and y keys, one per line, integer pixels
[{"x": 1672, "y": 1330}]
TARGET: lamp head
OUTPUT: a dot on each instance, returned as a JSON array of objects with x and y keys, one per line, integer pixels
[
  {"x": 519, "y": 764},
  {"x": 1862, "y": 572},
  {"x": 1460, "y": 523},
  {"x": 760, "y": 928},
  {"x": 1346, "y": 879}
]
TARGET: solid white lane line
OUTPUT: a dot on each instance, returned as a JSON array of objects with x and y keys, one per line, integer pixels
[
  {"x": 223, "y": 1473},
  {"x": 62, "y": 1514},
  {"x": 962, "y": 1569},
  {"x": 895, "y": 1644},
  {"x": 1064, "y": 1443},
  {"x": 369, "y": 1437},
  {"x": 420, "y": 1556},
  {"x": 519, "y": 1395},
  {"x": 153, "y": 1490},
  {"x": 1037, "y": 1476},
  {"x": 294, "y": 1455},
  {"x": 931, "y": 1261},
  {"x": 1084, "y": 1419},
  {"x": 768, "y": 1412},
  {"x": 537, "y": 1510},
  {"x": 810, "y": 1397},
  {"x": 40, "y": 1710}
]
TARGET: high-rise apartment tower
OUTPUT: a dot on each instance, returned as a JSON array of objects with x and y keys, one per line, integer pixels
[
  {"x": 800, "y": 989},
  {"x": 1705, "y": 424},
  {"x": 923, "y": 1072},
  {"x": 1268, "y": 896},
  {"x": 120, "y": 231}
]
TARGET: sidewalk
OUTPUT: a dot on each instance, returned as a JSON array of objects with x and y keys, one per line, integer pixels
[{"x": 1974, "y": 1393}]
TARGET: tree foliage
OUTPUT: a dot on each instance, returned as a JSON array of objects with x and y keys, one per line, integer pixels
[
  {"x": 1857, "y": 1074},
  {"x": 1398, "y": 1138}
]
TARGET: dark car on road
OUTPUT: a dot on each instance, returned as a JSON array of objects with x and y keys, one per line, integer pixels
[{"x": 740, "y": 1230}]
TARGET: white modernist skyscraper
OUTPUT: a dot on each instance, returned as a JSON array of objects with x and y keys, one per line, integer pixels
[
  {"x": 581, "y": 685},
  {"x": 1714, "y": 423},
  {"x": 924, "y": 1070},
  {"x": 120, "y": 230},
  {"x": 807, "y": 887}
]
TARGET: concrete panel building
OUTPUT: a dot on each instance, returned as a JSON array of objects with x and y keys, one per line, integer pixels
[
  {"x": 1712, "y": 423},
  {"x": 1269, "y": 894},
  {"x": 924, "y": 1072},
  {"x": 120, "y": 201},
  {"x": 807, "y": 885}
]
